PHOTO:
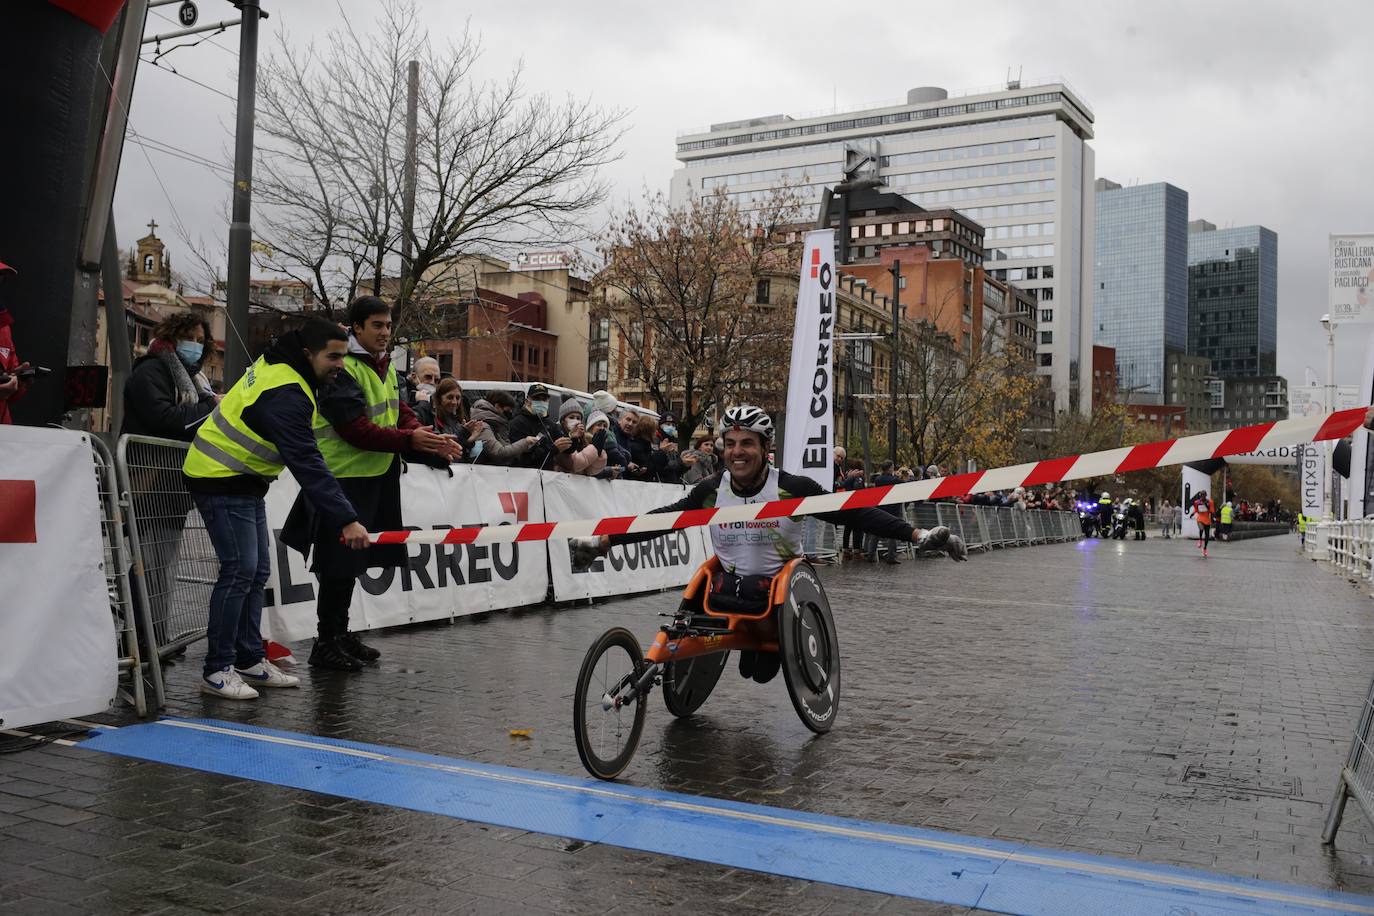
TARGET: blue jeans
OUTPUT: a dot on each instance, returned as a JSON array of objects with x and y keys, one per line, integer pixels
[{"x": 237, "y": 526}]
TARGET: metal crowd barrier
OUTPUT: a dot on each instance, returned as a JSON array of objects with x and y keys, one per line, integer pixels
[
  {"x": 1348, "y": 546},
  {"x": 116, "y": 567},
  {"x": 1357, "y": 775},
  {"x": 988, "y": 527},
  {"x": 175, "y": 566}
]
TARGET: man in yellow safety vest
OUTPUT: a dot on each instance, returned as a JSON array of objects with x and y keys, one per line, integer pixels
[
  {"x": 362, "y": 427},
  {"x": 264, "y": 425}
]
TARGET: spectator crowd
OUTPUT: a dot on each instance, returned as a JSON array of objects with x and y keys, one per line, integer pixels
[{"x": 600, "y": 438}]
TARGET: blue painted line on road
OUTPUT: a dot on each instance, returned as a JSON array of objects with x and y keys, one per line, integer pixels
[{"x": 889, "y": 859}]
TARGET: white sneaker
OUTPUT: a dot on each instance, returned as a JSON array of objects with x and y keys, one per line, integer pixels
[
  {"x": 266, "y": 674},
  {"x": 226, "y": 683}
]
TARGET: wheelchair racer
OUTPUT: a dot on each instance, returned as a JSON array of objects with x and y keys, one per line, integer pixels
[{"x": 752, "y": 552}]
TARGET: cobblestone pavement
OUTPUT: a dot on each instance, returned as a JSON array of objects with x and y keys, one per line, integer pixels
[{"x": 1124, "y": 698}]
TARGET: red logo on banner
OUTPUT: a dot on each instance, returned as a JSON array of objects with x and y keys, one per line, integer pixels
[
  {"x": 517, "y": 504},
  {"x": 18, "y": 512},
  {"x": 815, "y": 263}
]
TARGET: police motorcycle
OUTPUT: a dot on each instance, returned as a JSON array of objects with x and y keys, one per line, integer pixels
[
  {"x": 1120, "y": 521},
  {"x": 1087, "y": 519}
]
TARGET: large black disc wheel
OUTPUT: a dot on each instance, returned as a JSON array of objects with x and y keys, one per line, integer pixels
[
  {"x": 608, "y": 717},
  {"x": 810, "y": 650},
  {"x": 687, "y": 684}
]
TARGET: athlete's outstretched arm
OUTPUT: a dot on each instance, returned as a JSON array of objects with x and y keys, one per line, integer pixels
[{"x": 879, "y": 522}]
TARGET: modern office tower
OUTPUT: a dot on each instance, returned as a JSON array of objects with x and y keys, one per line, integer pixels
[
  {"x": 1233, "y": 301},
  {"x": 1016, "y": 160},
  {"x": 1140, "y": 277}
]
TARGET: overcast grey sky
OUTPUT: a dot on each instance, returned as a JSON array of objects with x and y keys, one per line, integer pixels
[{"x": 1261, "y": 111}]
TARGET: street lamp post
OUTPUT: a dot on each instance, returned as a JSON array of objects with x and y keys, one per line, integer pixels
[
  {"x": 1328, "y": 405},
  {"x": 896, "y": 271}
]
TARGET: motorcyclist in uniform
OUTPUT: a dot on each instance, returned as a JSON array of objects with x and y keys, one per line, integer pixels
[{"x": 1104, "y": 512}]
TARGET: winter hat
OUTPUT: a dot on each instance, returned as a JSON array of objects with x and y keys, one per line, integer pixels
[
  {"x": 597, "y": 416},
  {"x": 570, "y": 405},
  {"x": 603, "y": 400}
]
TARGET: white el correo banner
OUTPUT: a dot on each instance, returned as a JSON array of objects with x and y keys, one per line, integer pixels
[
  {"x": 442, "y": 580},
  {"x": 662, "y": 562},
  {"x": 810, "y": 432},
  {"x": 1350, "y": 284},
  {"x": 57, "y": 635}
]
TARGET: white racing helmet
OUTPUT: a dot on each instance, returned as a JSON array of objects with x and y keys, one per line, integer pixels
[{"x": 750, "y": 418}]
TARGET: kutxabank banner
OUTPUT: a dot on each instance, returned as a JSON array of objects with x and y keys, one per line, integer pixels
[
  {"x": 441, "y": 580},
  {"x": 663, "y": 562},
  {"x": 810, "y": 432},
  {"x": 1350, "y": 284}
]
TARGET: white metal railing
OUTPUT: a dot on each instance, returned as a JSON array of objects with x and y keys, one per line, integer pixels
[{"x": 1347, "y": 545}]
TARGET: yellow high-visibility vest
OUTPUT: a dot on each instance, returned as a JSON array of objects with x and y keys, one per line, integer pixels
[
  {"x": 224, "y": 445},
  {"x": 383, "y": 408}
]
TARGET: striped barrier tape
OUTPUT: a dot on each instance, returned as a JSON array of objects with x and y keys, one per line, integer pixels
[{"x": 1167, "y": 452}]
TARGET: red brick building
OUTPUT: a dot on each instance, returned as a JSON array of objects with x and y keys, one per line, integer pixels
[
  {"x": 496, "y": 337},
  {"x": 1104, "y": 377}
]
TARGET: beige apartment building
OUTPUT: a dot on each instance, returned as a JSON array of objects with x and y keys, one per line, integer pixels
[{"x": 533, "y": 276}]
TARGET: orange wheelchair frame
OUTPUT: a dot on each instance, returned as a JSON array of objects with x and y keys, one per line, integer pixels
[{"x": 689, "y": 654}]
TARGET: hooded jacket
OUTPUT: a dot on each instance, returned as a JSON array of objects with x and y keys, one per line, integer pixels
[
  {"x": 284, "y": 416},
  {"x": 496, "y": 445}
]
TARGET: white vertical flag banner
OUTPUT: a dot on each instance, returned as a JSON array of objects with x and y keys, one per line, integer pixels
[
  {"x": 1350, "y": 287},
  {"x": 810, "y": 390},
  {"x": 1313, "y": 479},
  {"x": 1359, "y": 443}
]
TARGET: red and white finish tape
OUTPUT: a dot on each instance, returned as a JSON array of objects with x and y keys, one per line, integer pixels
[{"x": 1073, "y": 467}]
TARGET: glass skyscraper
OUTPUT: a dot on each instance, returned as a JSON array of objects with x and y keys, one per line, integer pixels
[
  {"x": 1233, "y": 300},
  {"x": 1140, "y": 297}
]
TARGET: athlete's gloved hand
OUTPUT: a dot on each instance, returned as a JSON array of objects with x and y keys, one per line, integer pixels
[
  {"x": 941, "y": 540},
  {"x": 956, "y": 550},
  {"x": 584, "y": 551},
  {"x": 933, "y": 540}
]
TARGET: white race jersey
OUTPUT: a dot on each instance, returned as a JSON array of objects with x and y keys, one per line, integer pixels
[{"x": 760, "y": 547}]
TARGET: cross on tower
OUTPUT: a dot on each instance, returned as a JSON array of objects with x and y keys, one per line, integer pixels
[{"x": 152, "y": 227}]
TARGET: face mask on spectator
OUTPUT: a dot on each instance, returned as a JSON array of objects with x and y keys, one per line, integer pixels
[
  {"x": 670, "y": 431},
  {"x": 426, "y": 387},
  {"x": 540, "y": 408},
  {"x": 190, "y": 351}
]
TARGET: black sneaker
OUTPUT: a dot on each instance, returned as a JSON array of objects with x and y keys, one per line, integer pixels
[
  {"x": 766, "y": 666},
  {"x": 330, "y": 653},
  {"x": 358, "y": 649}
]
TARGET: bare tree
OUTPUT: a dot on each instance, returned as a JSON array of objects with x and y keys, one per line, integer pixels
[
  {"x": 496, "y": 164},
  {"x": 680, "y": 284},
  {"x": 955, "y": 403}
]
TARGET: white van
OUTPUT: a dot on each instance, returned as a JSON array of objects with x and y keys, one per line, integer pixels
[{"x": 474, "y": 390}]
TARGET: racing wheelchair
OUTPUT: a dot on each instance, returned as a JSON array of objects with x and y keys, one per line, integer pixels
[{"x": 791, "y": 622}]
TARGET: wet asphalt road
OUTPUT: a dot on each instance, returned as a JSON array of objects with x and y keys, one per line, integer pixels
[{"x": 1123, "y": 698}]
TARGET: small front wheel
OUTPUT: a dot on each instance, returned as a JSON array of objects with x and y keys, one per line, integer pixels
[
  {"x": 687, "y": 683},
  {"x": 608, "y": 714}
]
